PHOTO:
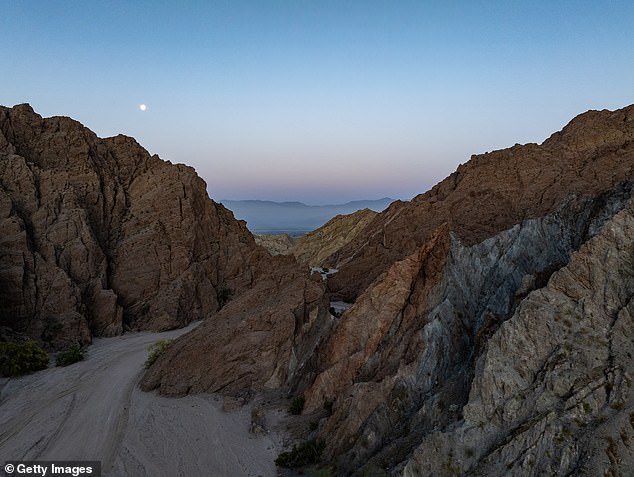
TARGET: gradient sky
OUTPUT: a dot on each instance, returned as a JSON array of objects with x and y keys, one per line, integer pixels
[{"x": 319, "y": 101}]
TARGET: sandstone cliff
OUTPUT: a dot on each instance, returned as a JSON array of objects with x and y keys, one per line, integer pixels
[
  {"x": 315, "y": 247},
  {"x": 492, "y": 192},
  {"x": 99, "y": 236}
]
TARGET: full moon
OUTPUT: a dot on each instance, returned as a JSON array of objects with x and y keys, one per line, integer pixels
[{"x": 142, "y": 107}]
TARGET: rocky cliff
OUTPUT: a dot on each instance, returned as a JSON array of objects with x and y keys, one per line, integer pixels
[
  {"x": 99, "y": 236},
  {"x": 491, "y": 332},
  {"x": 486, "y": 351},
  {"x": 262, "y": 340},
  {"x": 276, "y": 244},
  {"x": 400, "y": 363},
  {"x": 315, "y": 247},
  {"x": 553, "y": 390},
  {"x": 492, "y": 192}
]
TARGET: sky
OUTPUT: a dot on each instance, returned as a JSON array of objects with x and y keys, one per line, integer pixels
[{"x": 319, "y": 101}]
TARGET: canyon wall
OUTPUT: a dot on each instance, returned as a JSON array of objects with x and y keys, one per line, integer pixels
[
  {"x": 99, "y": 236},
  {"x": 492, "y": 192}
]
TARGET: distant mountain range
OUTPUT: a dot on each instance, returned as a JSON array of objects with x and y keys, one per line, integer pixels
[{"x": 294, "y": 218}]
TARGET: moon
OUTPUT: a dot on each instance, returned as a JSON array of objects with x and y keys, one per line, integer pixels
[{"x": 142, "y": 107}]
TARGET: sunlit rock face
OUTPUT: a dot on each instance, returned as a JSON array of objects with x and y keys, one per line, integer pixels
[{"x": 99, "y": 236}]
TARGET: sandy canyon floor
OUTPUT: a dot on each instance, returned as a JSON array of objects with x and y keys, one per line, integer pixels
[{"x": 94, "y": 410}]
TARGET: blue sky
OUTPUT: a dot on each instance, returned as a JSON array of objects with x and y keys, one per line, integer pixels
[{"x": 319, "y": 101}]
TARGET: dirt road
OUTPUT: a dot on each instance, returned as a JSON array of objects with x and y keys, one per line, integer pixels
[{"x": 94, "y": 410}]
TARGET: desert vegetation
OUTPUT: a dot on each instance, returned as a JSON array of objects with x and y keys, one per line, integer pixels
[
  {"x": 297, "y": 405},
  {"x": 22, "y": 358},
  {"x": 70, "y": 355},
  {"x": 156, "y": 350},
  {"x": 306, "y": 453}
]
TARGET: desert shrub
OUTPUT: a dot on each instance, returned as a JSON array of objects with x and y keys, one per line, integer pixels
[
  {"x": 258, "y": 421},
  {"x": 22, "y": 358},
  {"x": 313, "y": 425},
  {"x": 373, "y": 470},
  {"x": 156, "y": 350},
  {"x": 328, "y": 405},
  {"x": 224, "y": 295},
  {"x": 70, "y": 355},
  {"x": 306, "y": 453},
  {"x": 297, "y": 405}
]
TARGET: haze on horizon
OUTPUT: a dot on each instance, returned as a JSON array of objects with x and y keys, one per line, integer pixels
[{"x": 319, "y": 102}]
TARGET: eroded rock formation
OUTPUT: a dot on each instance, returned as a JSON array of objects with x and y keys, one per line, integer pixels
[
  {"x": 261, "y": 340},
  {"x": 399, "y": 363},
  {"x": 315, "y": 247},
  {"x": 553, "y": 392},
  {"x": 492, "y": 192},
  {"x": 492, "y": 331},
  {"x": 276, "y": 244},
  {"x": 98, "y": 236}
]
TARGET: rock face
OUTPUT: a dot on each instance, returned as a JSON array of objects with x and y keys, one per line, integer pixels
[
  {"x": 553, "y": 389},
  {"x": 261, "y": 340},
  {"x": 98, "y": 236},
  {"x": 315, "y": 247},
  {"x": 490, "y": 348},
  {"x": 492, "y": 332},
  {"x": 492, "y": 192},
  {"x": 399, "y": 363},
  {"x": 280, "y": 244}
]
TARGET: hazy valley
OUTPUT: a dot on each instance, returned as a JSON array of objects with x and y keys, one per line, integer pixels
[{"x": 294, "y": 218}]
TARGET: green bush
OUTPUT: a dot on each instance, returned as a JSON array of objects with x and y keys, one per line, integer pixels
[
  {"x": 306, "y": 453},
  {"x": 71, "y": 354},
  {"x": 22, "y": 358},
  {"x": 156, "y": 350},
  {"x": 224, "y": 295},
  {"x": 297, "y": 405}
]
